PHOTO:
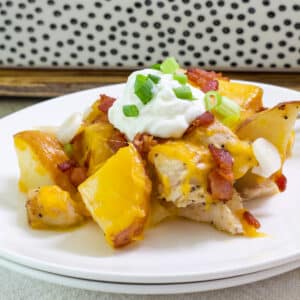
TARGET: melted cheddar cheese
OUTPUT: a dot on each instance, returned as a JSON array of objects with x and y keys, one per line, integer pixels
[
  {"x": 196, "y": 160},
  {"x": 117, "y": 195},
  {"x": 243, "y": 157}
]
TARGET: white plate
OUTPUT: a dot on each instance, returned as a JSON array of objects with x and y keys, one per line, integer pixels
[
  {"x": 175, "y": 251},
  {"x": 149, "y": 289}
]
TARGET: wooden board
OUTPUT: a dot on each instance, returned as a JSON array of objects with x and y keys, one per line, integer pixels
[{"x": 51, "y": 82}]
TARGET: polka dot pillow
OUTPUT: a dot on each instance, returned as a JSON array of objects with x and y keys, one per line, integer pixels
[{"x": 231, "y": 34}]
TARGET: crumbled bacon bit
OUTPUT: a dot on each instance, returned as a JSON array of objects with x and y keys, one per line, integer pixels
[
  {"x": 210, "y": 85},
  {"x": 78, "y": 175},
  {"x": 220, "y": 179},
  {"x": 75, "y": 173},
  {"x": 204, "y": 120},
  {"x": 66, "y": 165},
  {"x": 117, "y": 141},
  {"x": 223, "y": 160},
  {"x": 206, "y": 81},
  {"x": 250, "y": 219},
  {"x": 143, "y": 143},
  {"x": 105, "y": 103},
  {"x": 219, "y": 187},
  {"x": 281, "y": 182}
]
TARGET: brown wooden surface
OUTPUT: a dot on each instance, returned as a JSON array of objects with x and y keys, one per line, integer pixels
[{"x": 50, "y": 83}]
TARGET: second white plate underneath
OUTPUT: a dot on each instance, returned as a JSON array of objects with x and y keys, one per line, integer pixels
[{"x": 149, "y": 289}]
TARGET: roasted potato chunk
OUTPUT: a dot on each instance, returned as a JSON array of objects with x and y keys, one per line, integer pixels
[
  {"x": 275, "y": 125},
  {"x": 248, "y": 96},
  {"x": 118, "y": 196},
  {"x": 94, "y": 114},
  {"x": 91, "y": 148},
  {"x": 39, "y": 153},
  {"x": 51, "y": 207}
]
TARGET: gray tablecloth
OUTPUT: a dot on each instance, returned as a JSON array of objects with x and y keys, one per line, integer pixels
[{"x": 14, "y": 286}]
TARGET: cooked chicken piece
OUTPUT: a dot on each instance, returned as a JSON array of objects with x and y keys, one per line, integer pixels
[
  {"x": 252, "y": 186},
  {"x": 158, "y": 212},
  {"x": 182, "y": 173},
  {"x": 222, "y": 216},
  {"x": 51, "y": 207},
  {"x": 265, "y": 189}
]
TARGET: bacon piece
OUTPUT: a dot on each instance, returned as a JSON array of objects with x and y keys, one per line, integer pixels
[
  {"x": 204, "y": 120},
  {"x": 205, "y": 80},
  {"x": 223, "y": 161},
  {"x": 219, "y": 187},
  {"x": 281, "y": 182},
  {"x": 125, "y": 236},
  {"x": 143, "y": 143},
  {"x": 117, "y": 141},
  {"x": 210, "y": 85},
  {"x": 220, "y": 179},
  {"x": 78, "y": 175},
  {"x": 105, "y": 103},
  {"x": 250, "y": 219},
  {"x": 67, "y": 165}
]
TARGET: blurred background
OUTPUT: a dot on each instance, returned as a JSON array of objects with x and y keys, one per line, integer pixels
[
  {"x": 50, "y": 47},
  {"x": 231, "y": 34}
]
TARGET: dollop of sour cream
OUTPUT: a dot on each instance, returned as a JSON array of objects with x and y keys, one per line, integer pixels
[{"x": 165, "y": 116}]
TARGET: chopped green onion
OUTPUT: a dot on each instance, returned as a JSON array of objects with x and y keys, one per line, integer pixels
[
  {"x": 231, "y": 120},
  {"x": 208, "y": 101},
  {"x": 68, "y": 148},
  {"x": 228, "y": 108},
  {"x": 155, "y": 67},
  {"x": 183, "y": 92},
  {"x": 180, "y": 77},
  {"x": 154, "y": 78},
  {"x": 143, "y": 88},
  {"x": 130, "y": 110},
  {"x": 169, "y": 66}
]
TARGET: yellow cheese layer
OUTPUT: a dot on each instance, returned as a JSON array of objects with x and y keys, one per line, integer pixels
[
  {"x": 190, "y": 156},
  {"x": 118, "y": 193}
]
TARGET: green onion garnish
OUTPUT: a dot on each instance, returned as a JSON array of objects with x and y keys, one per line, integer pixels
[
  {"x": 228, "y": 108},
  {"x": 154, "y": 78},
  {"x": 209, "y": 104},
  {"x": 180, "y": 77},
  {"x": 183, "y": 92},
  {"x": 231, "y": 120},
  {"x": 68, "y": 148},
  {"x": 143, "y": 88},
  {"x": 130, "y": 110},
  {"x": 155, "y": 67},
  {"x": 169, "y": 66}
]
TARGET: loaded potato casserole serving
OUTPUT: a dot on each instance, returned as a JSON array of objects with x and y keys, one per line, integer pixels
[{"x": 176, "y": 143}]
